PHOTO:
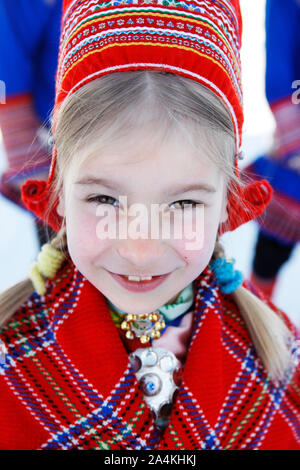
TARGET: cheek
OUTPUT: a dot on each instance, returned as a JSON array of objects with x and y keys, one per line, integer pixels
[
  {"x": 199, "y": 238},
  {"x": 198, "y": 259},
  {"x": 84, "y": 239}
]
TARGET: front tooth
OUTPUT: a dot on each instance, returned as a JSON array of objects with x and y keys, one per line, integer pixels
[
  {"x": 133, "y": 278},
  {"x": 138, "y": 279}
]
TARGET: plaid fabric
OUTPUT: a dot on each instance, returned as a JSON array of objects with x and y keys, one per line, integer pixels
[{"x": 67, "y": 382}]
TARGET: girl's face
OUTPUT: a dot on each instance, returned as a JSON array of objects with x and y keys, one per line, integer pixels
[{"x": 149, "y": 175}]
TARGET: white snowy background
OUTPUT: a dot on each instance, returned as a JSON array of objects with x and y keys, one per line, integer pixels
[{"x": 18, "y": 242}]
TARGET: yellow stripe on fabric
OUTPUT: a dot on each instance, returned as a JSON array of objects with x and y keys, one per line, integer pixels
[
  {"x": 117, "y": 318},
  {"x": 163, "y": 15},
  {"x": 177, "y": 440},
  {"x": 170, "y": 16},
  {"x": 146, "y": 44}
]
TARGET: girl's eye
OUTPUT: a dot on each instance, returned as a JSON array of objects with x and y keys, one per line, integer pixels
[
  {"x": 102, "y": 199},
  {"x": 187, "y": 202}
]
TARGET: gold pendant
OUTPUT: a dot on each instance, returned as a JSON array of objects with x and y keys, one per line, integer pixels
[{"x": 144, "y": 326}]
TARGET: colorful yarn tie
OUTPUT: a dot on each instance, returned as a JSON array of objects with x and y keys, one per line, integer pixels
[
  {"x": 228, "y": 277},
  {"x": 47, "y": 265}
]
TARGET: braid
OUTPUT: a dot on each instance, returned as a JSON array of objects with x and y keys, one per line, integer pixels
[
  {"x": 12, "y": 298},
  {"x": 270, "y": 336},
  {"x": 59, "y": 242},
  {"x": 219, "y": 251}
]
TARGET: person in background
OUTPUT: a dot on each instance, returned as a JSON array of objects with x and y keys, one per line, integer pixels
[
  {"x": 280, "y": 225},
  {"x": 29, "y": 38}
]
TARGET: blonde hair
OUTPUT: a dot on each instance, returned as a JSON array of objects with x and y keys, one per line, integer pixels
[{"x": 111, "y": 108}]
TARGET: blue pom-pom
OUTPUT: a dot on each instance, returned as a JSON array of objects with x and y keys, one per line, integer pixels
[{"x": 228, "y": 278}]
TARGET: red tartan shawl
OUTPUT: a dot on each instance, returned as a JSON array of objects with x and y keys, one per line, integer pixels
[{"x": 67, "y": 382}]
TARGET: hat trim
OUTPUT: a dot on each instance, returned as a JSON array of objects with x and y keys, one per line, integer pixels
[{"x": 173, "y": 68}]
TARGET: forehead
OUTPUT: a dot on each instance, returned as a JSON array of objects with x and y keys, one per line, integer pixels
[{"x": 144, "y": 155}]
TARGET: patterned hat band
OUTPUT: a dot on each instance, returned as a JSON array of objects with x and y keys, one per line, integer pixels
[{"x": 197, "y": 39}]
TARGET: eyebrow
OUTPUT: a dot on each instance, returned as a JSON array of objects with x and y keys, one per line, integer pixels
[{"x": 175, "y": 189}]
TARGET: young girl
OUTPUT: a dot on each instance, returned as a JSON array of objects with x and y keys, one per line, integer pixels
[{"x": 148, "y": 111}]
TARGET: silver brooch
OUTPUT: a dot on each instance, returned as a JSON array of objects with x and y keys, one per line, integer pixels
[{"x": 159, "y": 373}]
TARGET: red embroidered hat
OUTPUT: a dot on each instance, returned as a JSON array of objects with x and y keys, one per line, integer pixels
[{"x": 199, "y": 39}]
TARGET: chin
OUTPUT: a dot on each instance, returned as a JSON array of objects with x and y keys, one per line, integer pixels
[{"x": 136, "y": 301}]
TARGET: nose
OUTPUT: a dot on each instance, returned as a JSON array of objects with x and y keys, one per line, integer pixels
[{"x": 141, "y": 253}]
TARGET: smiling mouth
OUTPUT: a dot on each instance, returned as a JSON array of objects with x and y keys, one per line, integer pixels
[
  {"x": 136, "y": 284},
  {"x": 138, "y": 277}
]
